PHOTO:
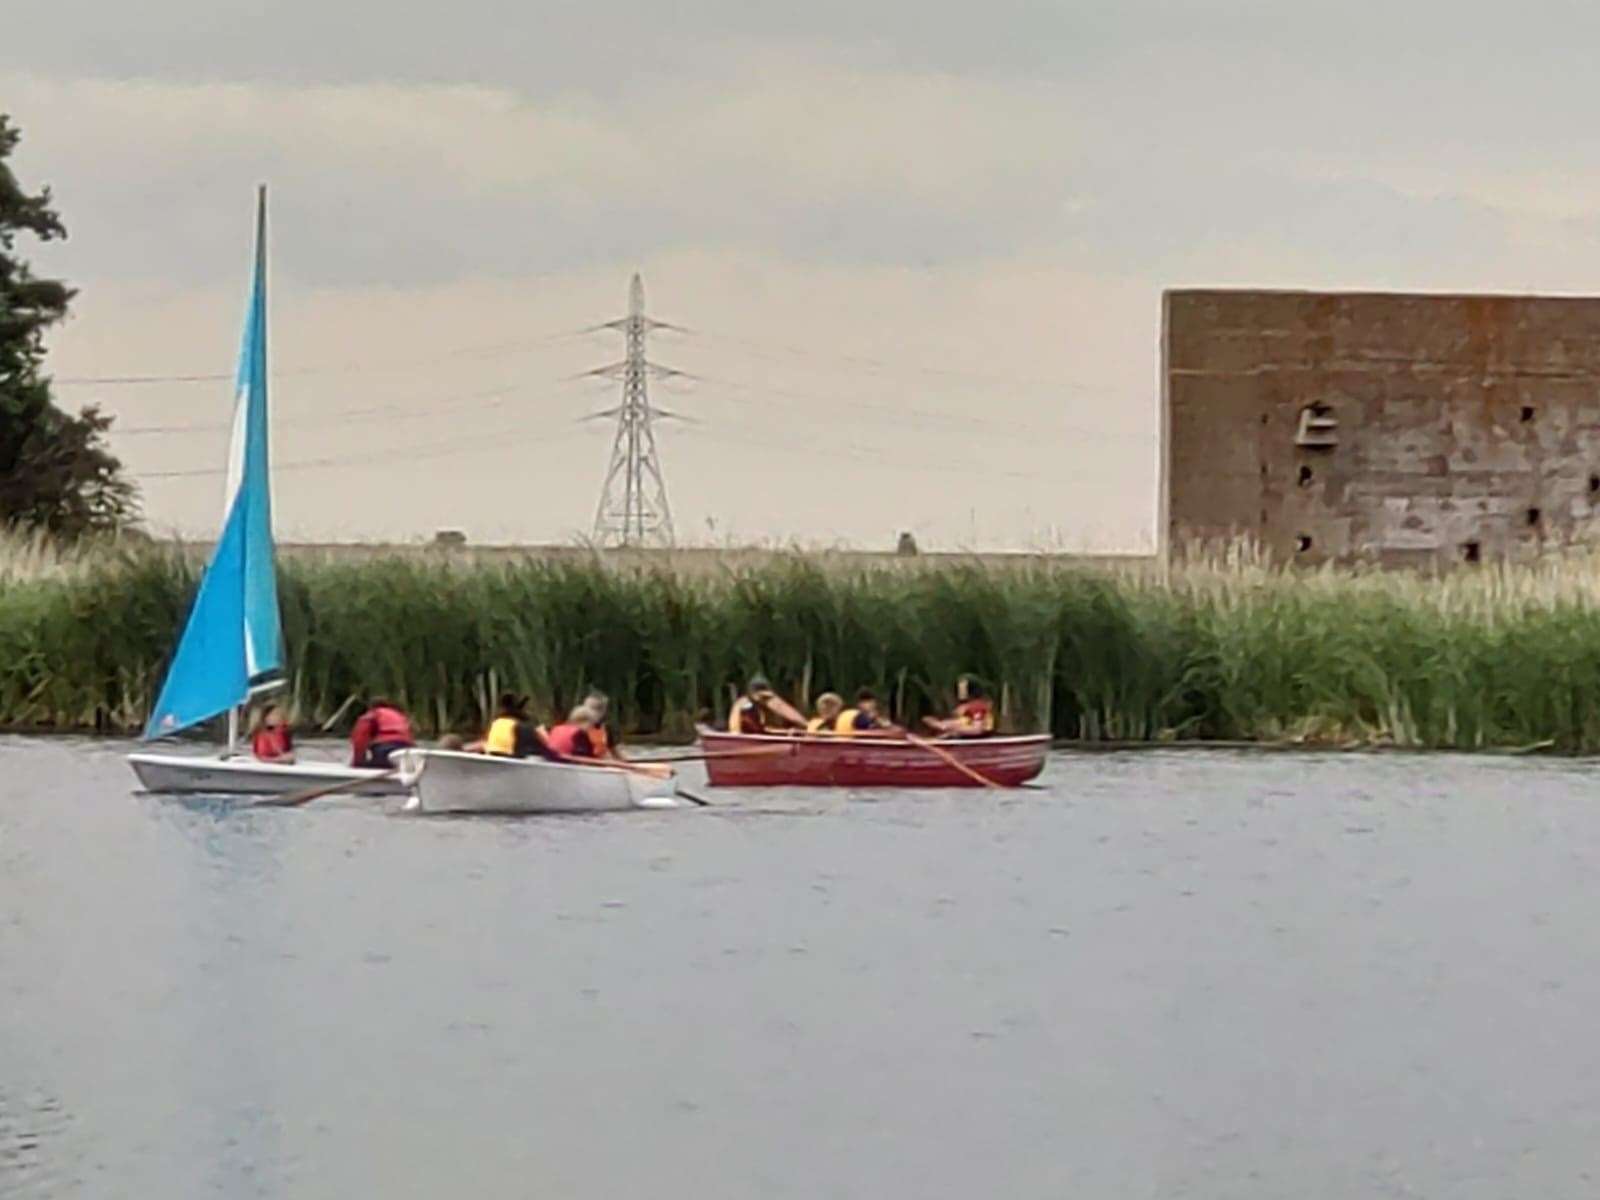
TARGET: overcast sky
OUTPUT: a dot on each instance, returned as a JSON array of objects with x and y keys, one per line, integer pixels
[{"x": 918, "y": 252}]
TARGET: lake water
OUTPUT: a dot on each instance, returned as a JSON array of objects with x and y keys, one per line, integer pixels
[{"x": 1171, "y": 974}]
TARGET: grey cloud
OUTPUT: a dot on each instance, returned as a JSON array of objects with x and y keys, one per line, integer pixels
[
  {"x": 566, "y": 44},
  {"x": 1188, "y": 225},
  {"x": 1185, "y": 124}
]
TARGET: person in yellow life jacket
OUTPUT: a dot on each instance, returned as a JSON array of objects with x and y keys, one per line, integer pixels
[
  {"x": 973, "y": 716},
  {"x": 512, "y": 735},
  {"x": 829, "y": 706},
  {"x": 762, "y": 710},
  {"x": 864, "y": 718}
]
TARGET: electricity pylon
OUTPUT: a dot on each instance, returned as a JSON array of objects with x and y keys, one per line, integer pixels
[{"x": 633, "y": 507}]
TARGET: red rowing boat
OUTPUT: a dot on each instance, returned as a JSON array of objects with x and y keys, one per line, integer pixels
[{"x": 807, "y": 760}]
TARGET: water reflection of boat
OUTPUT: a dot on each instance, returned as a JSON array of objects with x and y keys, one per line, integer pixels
[{"x": 783, "y": 760}]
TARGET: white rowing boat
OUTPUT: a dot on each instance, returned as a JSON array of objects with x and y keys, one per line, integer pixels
[{"x": 451, "y": 781}]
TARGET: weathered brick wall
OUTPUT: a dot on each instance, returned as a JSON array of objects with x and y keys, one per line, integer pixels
[{"x": 1466, "y": 425}]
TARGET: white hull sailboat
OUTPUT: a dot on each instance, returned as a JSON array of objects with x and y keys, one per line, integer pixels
[
  {"x": 231, "y": 648},
  {"x": 216, "y": 775},
  {"x": 449, "y": 781}
]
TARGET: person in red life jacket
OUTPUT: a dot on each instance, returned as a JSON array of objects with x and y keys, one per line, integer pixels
[
  {"x": 379, "y": 732},
  {"x": 575, "y": 738},
  {"x": 604, "y": 739},
  {"x": 973, "y": 716},
  {"x": 270, "y": 739}
]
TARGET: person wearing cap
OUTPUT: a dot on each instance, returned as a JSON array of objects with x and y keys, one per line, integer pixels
[
  {"x": 512, "y": 735},
  {"x": 762, "y": 710}
]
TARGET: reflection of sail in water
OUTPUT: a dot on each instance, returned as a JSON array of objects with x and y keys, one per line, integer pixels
[{"x": 233, "y": 1084}]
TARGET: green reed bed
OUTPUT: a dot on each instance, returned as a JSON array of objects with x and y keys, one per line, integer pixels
[{"x": 1224, "y": 650}]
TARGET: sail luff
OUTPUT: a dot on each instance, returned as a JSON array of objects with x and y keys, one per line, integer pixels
[{"x": 263, "y": 627}]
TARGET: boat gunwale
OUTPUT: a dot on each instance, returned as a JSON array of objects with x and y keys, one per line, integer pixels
[
  {"x": 247, "y": 762},
  {"x": 530, "y": 761},
  {"x": 999, "y": 741}
]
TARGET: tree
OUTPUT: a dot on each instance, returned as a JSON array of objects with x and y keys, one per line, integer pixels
[{"x": 56, "y": 472}]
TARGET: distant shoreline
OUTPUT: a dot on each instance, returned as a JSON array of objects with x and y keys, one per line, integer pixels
[
  {"x": 1226, "y": 653},
  {"x": 678, "y": 556}
]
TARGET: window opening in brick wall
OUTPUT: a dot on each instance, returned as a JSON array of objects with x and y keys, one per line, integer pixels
[
  {"x": 1319, "y": 428},
  {"x": 1471, "y": 552},
  {"x": 1305, "y": 476},
  {"x": 1527, "y": 413},
  {"x": 1302, "y": 543},
  {"x": 1533, "y": 516}
]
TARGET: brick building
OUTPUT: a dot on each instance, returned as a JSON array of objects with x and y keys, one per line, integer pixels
[{"x": 1403, "y": 429}]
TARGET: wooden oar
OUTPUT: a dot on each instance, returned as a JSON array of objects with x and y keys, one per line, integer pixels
[
  {"x": 777, "y": 704},
  {"x": 295, "y": 799},
  {"x": 622, "y": 764},
  {"x": 955, "y": 762},
  {"x": 339, "y": 712},
  {"x": 616, "y": 764},
  {"x": 640, "y": 768},
  {"x": 715, "y": 755}
]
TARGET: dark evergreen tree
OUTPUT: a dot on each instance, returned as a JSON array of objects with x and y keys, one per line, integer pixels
[{"x": 56, "y": 472}]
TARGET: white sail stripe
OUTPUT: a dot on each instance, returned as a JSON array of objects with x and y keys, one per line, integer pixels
[
  {"x": 236, "y": 456},
  {"x": 236, "y": 447}
]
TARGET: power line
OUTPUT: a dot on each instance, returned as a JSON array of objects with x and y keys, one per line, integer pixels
[
  {"x": 874, "y": 455},
  {"x": 397, "y": 456},
  {"x": 394, "y": 412},
  {"x": 483, "y": 350},
  {"x": 97, "y": 380},
  {"x": 921, "y": 417},
  {"x": 766, "y": 349}
]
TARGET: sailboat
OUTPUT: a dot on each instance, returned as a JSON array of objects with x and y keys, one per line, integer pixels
[{"x": 231, "y": 648}]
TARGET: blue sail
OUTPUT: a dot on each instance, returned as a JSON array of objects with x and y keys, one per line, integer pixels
[{"x": 233, "y": 637}]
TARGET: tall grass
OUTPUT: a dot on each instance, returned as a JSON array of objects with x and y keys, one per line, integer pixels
[{"x": 1220, "y": 649}]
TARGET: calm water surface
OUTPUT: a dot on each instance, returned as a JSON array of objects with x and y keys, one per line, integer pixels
[{"x": 1186, "y": 974}]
